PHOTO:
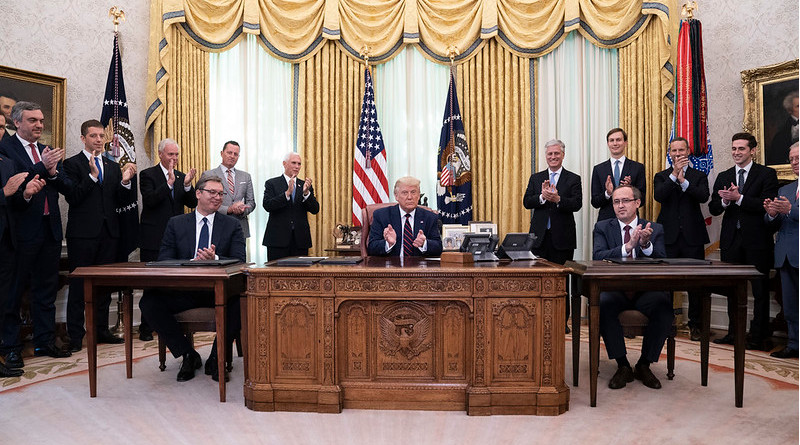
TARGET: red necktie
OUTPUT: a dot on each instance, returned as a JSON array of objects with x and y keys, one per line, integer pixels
[
  {"x": 627, "y": 237},
  {"x": 36, "y": 160},
  {"x": 408, "y": 239},
  {"x": 230, "y": 182}
]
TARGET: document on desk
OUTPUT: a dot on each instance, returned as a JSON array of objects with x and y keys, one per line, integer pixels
[
  {"x": 343, "y": 260},
  {"x": 635, "y": 261},
  {"x": 297, "y": 261}
]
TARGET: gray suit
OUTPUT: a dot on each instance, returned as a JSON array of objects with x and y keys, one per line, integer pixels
[
  {"x": 242, "y": 191},
  {"x": 786, "y": 259}
]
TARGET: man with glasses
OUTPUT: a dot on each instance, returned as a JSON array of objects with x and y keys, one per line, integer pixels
[
  {"x": 165, "y": 191},
  {"x": 617, "y": 171},
  {"x": 628, "y": 236},
  {"x": 204, "y": 234}
]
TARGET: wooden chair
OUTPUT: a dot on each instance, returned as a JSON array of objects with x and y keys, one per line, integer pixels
[
  {"x": 634, "y": 323},
  {"x": 366, "y": 220},
  {"x": 202, "y": 319}
]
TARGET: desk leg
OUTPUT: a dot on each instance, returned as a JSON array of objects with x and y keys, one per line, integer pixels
[
  {"x": 575, "y": 291},
  {"x": 219, "y": 289},
  {"x": 705, "y": 330},
  {"x": 91, "y": 334},
  {"x": 594, "y": 341},
  {"x": 127, "y": 318},
  {"x": 738, "y": 340}
]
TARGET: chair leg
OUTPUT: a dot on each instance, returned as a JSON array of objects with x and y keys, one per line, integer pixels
[
  {"x": 670, "y": 357},
  {"x": 162, "y": 354}
]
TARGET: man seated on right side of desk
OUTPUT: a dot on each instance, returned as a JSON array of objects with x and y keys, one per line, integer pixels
[
  {"x": 405, "y": 229},
  {"x": 204, "y": 234},
  {"x": 628, "y": 236}
]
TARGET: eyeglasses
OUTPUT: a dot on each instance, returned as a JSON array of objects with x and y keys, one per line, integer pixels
[
  {"x": 623, "y": 201},
  {"x": 793, "y": 158},
  {"x": 214, "y": 193}
]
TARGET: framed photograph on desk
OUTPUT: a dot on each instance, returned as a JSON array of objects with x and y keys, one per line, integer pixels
[
  {"x": 483, "y": 227},
  {"x": 47, "y": 91},
  {"x": 453, "y": 235}
]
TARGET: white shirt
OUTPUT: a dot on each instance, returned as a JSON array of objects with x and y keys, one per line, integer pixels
[
  {"x": 288, "y": 181},
  {"x": 399, "y": 231},
  {"x": 166, "y": 175},
  {"x": 646, "y": 252}
]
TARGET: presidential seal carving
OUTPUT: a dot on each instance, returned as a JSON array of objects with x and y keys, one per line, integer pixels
[{"x": 406, "y": 331}]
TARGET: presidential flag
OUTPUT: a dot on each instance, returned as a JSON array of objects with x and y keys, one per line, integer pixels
[
  {"x": 120, "y": 148},
  {"x": 454, "y": 185},
  {"x": 370, "y": 185}
]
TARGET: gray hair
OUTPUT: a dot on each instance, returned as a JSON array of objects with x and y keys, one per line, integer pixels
[
  {"x": 19, "y": 107},
  {"x": 552, "y": 142},
  {"x": 163, "y": 144},
  {"x": 406, "y": 180},
  {"x": 287, "y": 156},
  {"x": 205, "y": 179},
  {"x": 787, "y": 101}
]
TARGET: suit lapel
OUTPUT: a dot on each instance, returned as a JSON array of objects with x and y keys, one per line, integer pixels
[{"x": 616, "y": 234}]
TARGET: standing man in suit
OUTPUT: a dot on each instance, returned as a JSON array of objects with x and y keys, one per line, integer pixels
[
  {"x": 628, "y": 236},
  {"x": 680, "y": 190},
  {"x": 405, "y": 229},
  {"x": 165, "y": 191},
  {"x": 289, "y": 200},
  {"x": 39, "y": 236},
  {"x": 783, "y": 212},
  {"x": 618, "y": 170},
  {"x": 239, "y": 199},
  {"x": 99, "y": 187},
  {"x": 204, "y": 234},
  {"x": 555, "y": 195},
  {"x": 739, "y": 194},
  {"x": 11, "y": 199}
]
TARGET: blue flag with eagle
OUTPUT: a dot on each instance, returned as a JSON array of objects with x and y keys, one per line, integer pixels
[
  {"x": 454, "y": 184},
  {"x": 120, "y": 148}
]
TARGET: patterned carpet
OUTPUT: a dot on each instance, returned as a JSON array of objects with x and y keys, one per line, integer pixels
[{"x": 779, "y": 373}]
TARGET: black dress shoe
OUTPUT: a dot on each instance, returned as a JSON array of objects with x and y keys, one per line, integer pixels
[
  {"x": 757, "y": 345},
  {"x": 785, "y": 353},
  {"x": 726, "y": 340},
  {"x": 13, "y": 360},
  {"x": 75, "y": 347},
  {"x": 107, "y": 337},
  {"x": 644, "y": 374},
  {"x": 8, "y": 372},
  {"x": 622, "y": 377},
  {"x": 145, "y": 336},
  {"x": 694, "y": 334},
  {"x": 191, "y": 363},
  {"x": 51, "y": 351}
]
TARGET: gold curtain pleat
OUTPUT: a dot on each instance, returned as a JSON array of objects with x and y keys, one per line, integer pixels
[
  {"x": 185, "y": 116},
  {"x": 494, "y": 94},
  {"x": 330, "y": 90},
  {"x": 644, "y": 110}
]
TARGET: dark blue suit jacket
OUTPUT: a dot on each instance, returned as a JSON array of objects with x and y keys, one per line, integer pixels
[
  {"x": 680, "y": 211},
  {"x": 28, "y": 220},
  {"x": 180, "y": 238},
  {"x": 9, "y": 205},
  {"x": 561, "y": 216},
  {"x": 786, "y": 243},
  {"x": 603, "y": 170},
  {"x": 423, "y": 220},
  {"x": 608, "y": 240},
  {"x": 288, "y": 218},
  {"x": 159, "y": 205}
]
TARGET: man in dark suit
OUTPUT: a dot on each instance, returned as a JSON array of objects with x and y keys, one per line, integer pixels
[
  {"x": 39, "y": 236},
  {"x": 627, "y": 236},
  {"x": 782, "y": 212},
  {"x": 99, "y": 187},
  {"x": 12, "y": 199},
  {"x": 288, "y": 200},
  {"x": 405, "y": 229},
  {"x": 739, "y": 194},
  {"x": 681, "y": 189},
  {"x": 204, "y": 234},
  {"x": 619, "y": 170},
  {"x": 165, "y": 191},
  {"x": 555, "y": 195}
]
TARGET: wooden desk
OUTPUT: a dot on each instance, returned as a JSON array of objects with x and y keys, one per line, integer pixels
[
  {"x": 353, "y": 250},
  {"x": 726, "y": 279},
  {"x": 487, "y": 338},
  {"x": 224, "y": 281}
]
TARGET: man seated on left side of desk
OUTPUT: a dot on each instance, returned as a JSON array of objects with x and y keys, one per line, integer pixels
[
  {"x": 203, "y": 234},
  {"x": 628, "y": 236}
]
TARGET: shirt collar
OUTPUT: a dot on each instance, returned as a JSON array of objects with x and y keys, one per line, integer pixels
[
  {"x": 621, "y": 159},
  {"x": 557, "y": 172},
  {"x": 163, "y": 170},
  {"x": 633, "y": 223},
  {"x": 88, "y": 155},
  {"x": 198, "y": 217},
  {"x": 23, "y": 141},
  {"x": 225, "y": 169},
  {"x": 403, "y": 214},
  {"x": 746, "y": 168}
]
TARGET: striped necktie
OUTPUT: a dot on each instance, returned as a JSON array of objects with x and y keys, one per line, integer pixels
[{"x": 408, "y": 238}]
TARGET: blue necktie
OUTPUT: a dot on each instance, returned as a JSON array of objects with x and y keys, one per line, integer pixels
[
  {"x": 294, "y": 190},
  {"x": 552, "y": 183},
  {"x": 202, "y": 243},
  {"x": 99, "y": 169},
  {"x": 616, "y": 173}
]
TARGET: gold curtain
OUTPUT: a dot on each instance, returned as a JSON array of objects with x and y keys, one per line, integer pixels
[
  {"x": 329, "y": 94},
  {"x": 494, "y": 93}
]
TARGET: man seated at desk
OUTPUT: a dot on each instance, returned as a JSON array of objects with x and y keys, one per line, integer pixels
[
  {"x": 628, "y": 236},
  {"x": 405, "y": 229},
  {"x": 203, "y": 234}
]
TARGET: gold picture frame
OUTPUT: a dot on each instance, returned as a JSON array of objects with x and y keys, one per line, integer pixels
[
  {"x": 765, "y": 91},
  {"x": 50, "y": 92}
]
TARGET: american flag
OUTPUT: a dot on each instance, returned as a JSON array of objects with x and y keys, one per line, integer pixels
[{"x": 370, "y": 185}]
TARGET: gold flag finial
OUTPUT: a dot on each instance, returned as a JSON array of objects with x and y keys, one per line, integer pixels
[
  {"x": 688, "y": 9},
  {"x": 117, "y": 15},
  {"x": 452, "y": 52},
  {"x": 364, "y": 53}
]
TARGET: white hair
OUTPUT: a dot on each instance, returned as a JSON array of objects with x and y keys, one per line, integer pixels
[
  {"x": 163, "y": 144},
  {"x": 289, "y": 155}
]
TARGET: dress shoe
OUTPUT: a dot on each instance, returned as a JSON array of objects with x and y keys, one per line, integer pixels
[
  {"x": 622, "y": 377},
  {"x": 107, "y": 337},
  {"x": 75, "y": 347},
  {"x": 757, "y": 345},
  {"x": 5, "y": 371},
  {"x": 644, "y": 374},
  {"x": 785, "y": 353},
  {"x": 694, "y": 334},
  {"x": 212, "y": 369},
  {"x": 726, "y": 340},
  {"x": 191, "y": 363},
  {"x": 567, "y": 330},
  {"x": 145, "y": 336},
  {"x": 13, "y": 360},
  {"x": 51, "y": 351}
]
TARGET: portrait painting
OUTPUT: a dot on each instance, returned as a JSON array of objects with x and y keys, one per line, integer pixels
[{"x": 48, "y": 91}]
